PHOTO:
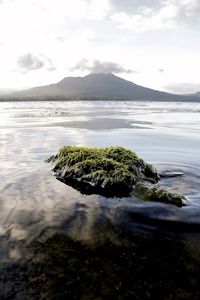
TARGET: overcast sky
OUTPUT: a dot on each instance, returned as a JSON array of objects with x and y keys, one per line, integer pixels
[{"x": 155, "y": 43}]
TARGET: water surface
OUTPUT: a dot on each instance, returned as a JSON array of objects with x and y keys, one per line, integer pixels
[{"x": 91, "y": 246}]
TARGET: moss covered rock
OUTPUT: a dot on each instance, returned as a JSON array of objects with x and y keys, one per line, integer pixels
[{"x": 112, "y": 171}]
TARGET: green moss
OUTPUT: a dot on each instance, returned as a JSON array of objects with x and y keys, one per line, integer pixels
[
  {"x": 71, "y": 155},
  {"x": 157, "y": 194},
  {"x": 112, "y": 171}
]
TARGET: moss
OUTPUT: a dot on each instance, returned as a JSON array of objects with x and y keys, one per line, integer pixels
[
  {"x": 111, "y": 171},
  {"x": 157, "y": 194},
  {"x": 71, "y": 155}
]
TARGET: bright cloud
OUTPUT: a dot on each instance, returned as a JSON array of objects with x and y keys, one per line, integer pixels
[
  {"x": 97, "y": 66},
  {"x": 170, "y": 14}
]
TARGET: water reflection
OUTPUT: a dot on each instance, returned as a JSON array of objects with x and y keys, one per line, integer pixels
[
  {"x": 90, "y": 246},
  {"x": 25, "y": 184}
]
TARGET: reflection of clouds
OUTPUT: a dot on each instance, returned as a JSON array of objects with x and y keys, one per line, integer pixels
[
  {"x": 38, "y": 213},
  {"x": 32, "y": 200},
  {"x": 22, "y": 150},
  {"x": 39, "y": 205},
  {"x": 17, "y": 233},
  {"x": 33, "y": 114}
]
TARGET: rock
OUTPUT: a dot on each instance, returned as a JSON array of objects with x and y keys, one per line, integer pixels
[
  {"x": 112, "y": 171},
  {"x": 157, "y": 194}
]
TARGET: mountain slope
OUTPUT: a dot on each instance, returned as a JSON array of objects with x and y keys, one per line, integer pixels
[{"x": 96, "y": 86}]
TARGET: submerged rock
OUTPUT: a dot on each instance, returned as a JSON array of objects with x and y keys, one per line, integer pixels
[{"x": 112, "y": 171}]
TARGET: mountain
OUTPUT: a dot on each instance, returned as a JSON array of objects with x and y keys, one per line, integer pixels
[
  {"x": 96, "y": 86},
  {"x": 197, "y": 94}
]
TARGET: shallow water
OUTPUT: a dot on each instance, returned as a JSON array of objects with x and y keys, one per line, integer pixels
[{"x": 52, "y": 235}]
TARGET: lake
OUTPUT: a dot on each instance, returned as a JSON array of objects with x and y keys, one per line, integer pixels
[{"x": 58, "y": 244}]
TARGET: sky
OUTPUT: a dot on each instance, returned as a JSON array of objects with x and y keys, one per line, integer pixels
[{"x": 152, "y": 43}]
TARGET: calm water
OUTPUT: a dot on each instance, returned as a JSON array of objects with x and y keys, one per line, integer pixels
[{"x": 89, "y": 246}]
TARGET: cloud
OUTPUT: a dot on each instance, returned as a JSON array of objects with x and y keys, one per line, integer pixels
[
  {"x": 168, "y": 15},
  {"x": 131, "y": 6},
  {"x": 29, "y": 62},
  {"x": 97, "y": 66},
  {"x": 183, "y": 88}
]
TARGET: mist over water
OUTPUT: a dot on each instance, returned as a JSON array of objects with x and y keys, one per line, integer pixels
[{"x": 37, "y": 211}]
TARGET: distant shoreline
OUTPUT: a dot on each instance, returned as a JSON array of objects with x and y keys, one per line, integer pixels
[{"x": 98, "y": 100}]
